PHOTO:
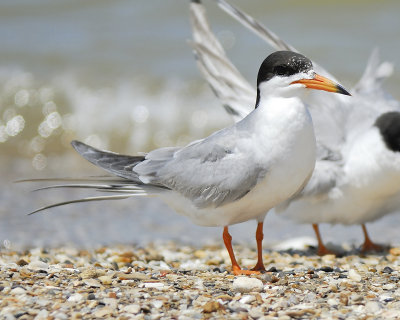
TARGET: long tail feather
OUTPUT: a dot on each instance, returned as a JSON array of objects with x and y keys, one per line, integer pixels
[
  {"x": 99, "y": 187},
  {"x": 100, "y": 198},
  {"x": 107, "y": 178},
  {"x": 76, "y": 186}
]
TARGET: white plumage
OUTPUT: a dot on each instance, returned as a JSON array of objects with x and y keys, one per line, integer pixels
[{"x": 236, "y": 174}]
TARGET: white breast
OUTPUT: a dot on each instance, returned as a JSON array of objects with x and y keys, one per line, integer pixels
[{"x": 283, "y": 139}]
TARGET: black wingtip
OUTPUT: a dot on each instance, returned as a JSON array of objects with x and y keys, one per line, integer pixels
[
  {"x": 77, "y": 145},
  {"x": 82, "y": 148}
]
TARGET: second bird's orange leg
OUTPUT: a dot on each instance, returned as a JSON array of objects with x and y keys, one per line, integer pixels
[
  {"x": 322, "y": 250},
  {"x": 368, "y": 245}
]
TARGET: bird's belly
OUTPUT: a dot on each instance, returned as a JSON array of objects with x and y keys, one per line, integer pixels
[
  {"x": 285, "y": 178},
  {"x": 287, "y": 174},
  {"x": 347, "y": 205},
  {"x": 361, "y": 205}
]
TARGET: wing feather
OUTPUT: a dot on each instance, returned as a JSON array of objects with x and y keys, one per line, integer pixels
[
  {"x": 117, "y": 164},
  {"x": 202, "y": 171}
]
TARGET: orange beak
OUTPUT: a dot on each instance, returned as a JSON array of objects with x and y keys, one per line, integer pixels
[{"x": 322, "y": 83}]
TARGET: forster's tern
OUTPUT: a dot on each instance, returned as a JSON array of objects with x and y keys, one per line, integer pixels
[
  {"x": 237, "y": 173},
  {"x": 357, "y": 172}
]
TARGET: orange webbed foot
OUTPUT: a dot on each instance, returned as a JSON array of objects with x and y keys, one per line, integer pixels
[
  {"x": 259, "y": 267},
  {"x": 237, "y": 271},
  {"x": 372, "y": 247},
  {"x": 368, "y": 245},
  {"x": 323, "y": 251}
]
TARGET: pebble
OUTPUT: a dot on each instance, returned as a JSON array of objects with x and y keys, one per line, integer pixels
[
  {"x": 22, "y": 262},
  {"x": 38, "y": 265},
  {"x": 93, "y": 283},
  {"x": 42, "y": 315},
  {"x": 247, "y": 284},
  {"x": 75, "y": 297},
  {"x": 89, "y": 273},
  {"x": 212, "y": 306},
  {"x": 353, "y": 275},
  {"x": 389, "y": 286},
  {"x": 103, "y": 312},
  {"x": 131, "y": 308},
  {"x": 256, "y": 313},
  {"x": 157, "y": 304},
  {"x": 387, "y": 270},
  {"x": 372, "y": 307},
  {"x": 386, "y": 298},
  {"x": 326, "y": 269},
  {"x": 128, "y": 282},
  {"x": 105, "y": 279},
  {"x": 91, "y": 296},
  {"x": 18, "y": 290},
  {"x": 132, "y": 276},
  {"x": 61, "y": 316},
  {"x": 247, "y": 299},
  {"x": 157, "y": 285}
]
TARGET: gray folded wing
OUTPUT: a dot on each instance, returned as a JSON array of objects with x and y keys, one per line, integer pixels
[{"x": 210, "y": 172}]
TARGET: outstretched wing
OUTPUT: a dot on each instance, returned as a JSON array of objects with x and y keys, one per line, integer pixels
[
  {"x": 264, "y": 33},
  {"x": 370, "y": 99},
  {"x": 236, "y": 94}
]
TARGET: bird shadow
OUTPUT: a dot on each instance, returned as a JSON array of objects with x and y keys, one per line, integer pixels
[{"x": 338, "y": 251}]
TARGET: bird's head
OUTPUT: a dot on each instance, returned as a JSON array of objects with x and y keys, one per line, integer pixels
[{"x": 285, "y": 73}]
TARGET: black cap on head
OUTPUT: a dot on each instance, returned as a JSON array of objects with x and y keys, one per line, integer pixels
[
  {"x": 283, "y": 63},
  {"x": 389, "y": 127}
]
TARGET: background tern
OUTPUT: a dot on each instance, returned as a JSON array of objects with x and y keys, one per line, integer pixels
[
  {"x": 236, "y": 174},
  {"x": 357, "y": 172}
]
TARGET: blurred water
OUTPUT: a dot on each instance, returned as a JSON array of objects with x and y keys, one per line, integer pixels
[{"x": 120, "y": 75}]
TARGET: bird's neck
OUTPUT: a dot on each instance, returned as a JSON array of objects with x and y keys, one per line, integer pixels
[
  {"x": 267, "y": 92},
  {"x": 280, "y": 113}
]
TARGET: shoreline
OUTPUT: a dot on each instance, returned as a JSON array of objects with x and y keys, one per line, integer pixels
[{"x": 171, "y": 281}]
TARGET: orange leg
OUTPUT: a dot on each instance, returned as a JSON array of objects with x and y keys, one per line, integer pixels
[
  {"x": 368, "y": 245},
  {"x": 259, "y": 238},
  {"x": 235, "y": 266},
  {"x": 322, "y": 250}
]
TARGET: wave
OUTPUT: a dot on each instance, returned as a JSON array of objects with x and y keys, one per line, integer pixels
[{"x": 40, "y": 117}]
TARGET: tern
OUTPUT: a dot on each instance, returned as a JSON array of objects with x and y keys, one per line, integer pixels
[
  {"x": 238, "y": 173},
  {"x": 357, "y": 173}
]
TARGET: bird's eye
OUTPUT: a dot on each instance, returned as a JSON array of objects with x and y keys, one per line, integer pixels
[{"x": 282, "y": 70}]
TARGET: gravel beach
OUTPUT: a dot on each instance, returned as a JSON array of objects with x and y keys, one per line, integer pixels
[{"x": 169, "y": 281}]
